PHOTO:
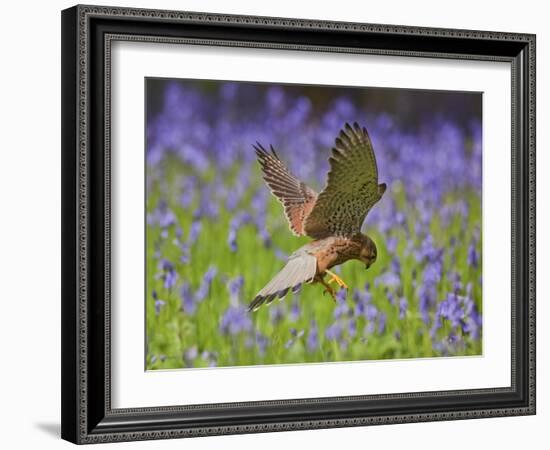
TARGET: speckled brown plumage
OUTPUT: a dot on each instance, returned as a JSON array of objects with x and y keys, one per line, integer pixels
[{"x": 332, "y": 218}]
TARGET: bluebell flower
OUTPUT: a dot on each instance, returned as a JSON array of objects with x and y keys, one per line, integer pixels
[
  {"x": 334, "y": 332},
  {"x": 188, "y": 303},
  {"x": 194, "y": 231},
  {"x": 158, "y": 303},
  {"x": 276, "y": 314},
  {"x": 473, "y": 258},
  {"x": 275, "y": 98},
  {"x": 280, "y": 254},
  {"x": 265, "y": 236},
  {"x": 381, "y": 323},
  {"x": 235, "y": 320},
  {"x": 190, "y": 355},
  {"x": 163, "y": 216},
  {"x": 185, "y": 256},
  {"x": 206, "y": 282},
  {"x": 296, "y": 334},
  {"x": 389, "y": 279},
  {"x": 232, "y": 239},
  {"x": 451, "y": 310},
  {"x": 210, "y": 358},
  {"x": 261, "y": 342},
  {"x": 352, "y": 327},
  {"x": 391, "y": 244},
  {"x": 403, "y": 305},
  {"x": 234, "y": 287},
  {"x": 169, "y": 274},
  {"x": 294, "y": 310},
  {"x": 371, "y": 312},
  {"x": 341, "y": 308},
  {"x": 369, "y": 328},
  {"x": 313, "y": 337}
]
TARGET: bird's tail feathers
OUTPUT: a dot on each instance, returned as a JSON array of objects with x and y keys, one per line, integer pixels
[{"x": 298, "y": 270}]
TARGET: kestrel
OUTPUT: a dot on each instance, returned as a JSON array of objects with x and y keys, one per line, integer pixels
[{"x": 333, "y": 218}]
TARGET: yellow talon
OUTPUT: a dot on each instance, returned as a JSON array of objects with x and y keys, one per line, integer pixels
[{"x": 337, "y": 280}]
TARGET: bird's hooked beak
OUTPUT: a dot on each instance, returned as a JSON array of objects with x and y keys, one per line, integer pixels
[{"x": 367, "y": 266}]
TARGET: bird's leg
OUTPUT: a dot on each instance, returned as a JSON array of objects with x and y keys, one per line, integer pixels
[
  {"x": 336, "y": 279},
  {"x": 328, "y": 289}
]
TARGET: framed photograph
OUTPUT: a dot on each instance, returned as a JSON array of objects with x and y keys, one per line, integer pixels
[{"x": 280, "y": 224}]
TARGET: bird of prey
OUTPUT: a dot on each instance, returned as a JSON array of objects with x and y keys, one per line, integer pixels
[{"x": 333, "y": 218}]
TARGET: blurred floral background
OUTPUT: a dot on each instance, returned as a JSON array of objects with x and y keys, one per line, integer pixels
[{"x": 215, "y": 235}]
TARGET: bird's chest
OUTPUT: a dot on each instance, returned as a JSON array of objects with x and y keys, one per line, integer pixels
[{"x": 333, "y": 253}]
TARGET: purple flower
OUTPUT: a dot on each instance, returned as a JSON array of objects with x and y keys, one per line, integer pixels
[
  {"x": 472, "y": 325},
  {"x": 188, "y": 303},
  {"x": 352, "y": 328},
  {"x": 428, "y": 289},
  {"x": 371, "y": 312},
  {"x": 186, "y": 197},
  {"x": 280, "y": 254},
  {"x": 161, "y": 358},
  {"x": 341, "y": 308},
  {"x": 235, "y": 286},
  {"x": 334, "y": 332},
  {"x": 313, "y": 337},
  {"x": 190, "y": 355},
  {"x": 233, "y": 198},
  {"x": 206, "y": 282},
  {"x": 403, "y": 305},
  {"x": 162, "y": 216},
  {"x": 389, "y": 279},
  {"x": 369, "y": 328},
  {"x": 276, "y": 314},
  {"x": 261, "y": 343},
  {"x": 391, "y": 244},
  {"x": 454, "y": 278},
  {"x": 211, "y": 358},
  {"x": 169, "y": 274},
  {"x": 158, "y": 303},
  {"x": 235, "y": 320},
  {"x": 472, "y": 319},
  {"x": 294, "y": 311},
  {"x": 451, "y": 310},
  {"x": 381, "y": 323},
  {"x": 473, "y": 258},
  {"x": 266, "y": 238},
  {"x": 295, "y": 335},
  {"x": 185, "y": 256},
  {"x": 428, "y": 251},
  {"x": 275, "y": 98},
  {"x": 194, "y": 231},
  {"x": 232, "y": 239}
]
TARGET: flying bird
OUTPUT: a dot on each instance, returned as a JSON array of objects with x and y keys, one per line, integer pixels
[{"x": 332, "y": 218}]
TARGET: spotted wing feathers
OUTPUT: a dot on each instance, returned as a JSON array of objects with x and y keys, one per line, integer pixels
[
  {"x": 296, "y": 197},
  {"x": 300, "y": 268},
  {"x": 352, "y": 187}
]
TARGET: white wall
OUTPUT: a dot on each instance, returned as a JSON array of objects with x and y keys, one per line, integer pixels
[{"x": 30, "y": 222}]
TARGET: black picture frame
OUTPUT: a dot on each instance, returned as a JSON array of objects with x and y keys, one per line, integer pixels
[{"x": 87, "y": 33}]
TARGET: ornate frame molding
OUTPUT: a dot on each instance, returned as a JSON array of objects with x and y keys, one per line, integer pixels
[{"x": 84, "y": 421}]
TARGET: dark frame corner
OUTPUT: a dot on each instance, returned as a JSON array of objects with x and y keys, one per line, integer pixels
[{"x": 87, "y": 31}]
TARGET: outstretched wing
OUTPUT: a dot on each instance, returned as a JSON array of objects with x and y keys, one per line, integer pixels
[
  {"x": 352, "y": 187},
  {"x": 297, "y": 198},
  {"x": 300, "y": 268}
]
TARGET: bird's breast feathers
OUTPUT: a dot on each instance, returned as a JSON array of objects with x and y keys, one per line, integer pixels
[{"x": 332, "y": 251}]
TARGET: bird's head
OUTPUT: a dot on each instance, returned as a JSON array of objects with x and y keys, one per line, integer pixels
[{"x": 368, "y": 251}]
